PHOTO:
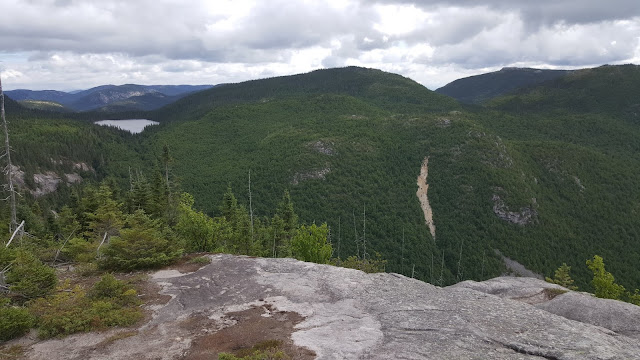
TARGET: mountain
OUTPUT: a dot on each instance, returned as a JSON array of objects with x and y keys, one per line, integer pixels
[
  {"x": 123, "y": 97},
  {"x": 605, "y": 90},
  {"x": 545, "y": 175},
  {"x": 385, "y": 90},
  {"x": 45, "y": 105},
  {"x": 41, "y": 95},
  {"x": 350, "y": 143},
  {"x": 480, "y": 88},
  {"x": 245, "y": 305}
]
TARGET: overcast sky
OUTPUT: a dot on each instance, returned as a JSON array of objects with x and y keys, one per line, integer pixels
[{"x": 78, "y": 44}]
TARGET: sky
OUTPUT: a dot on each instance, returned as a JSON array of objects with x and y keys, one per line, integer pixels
[{"x": 78, "y": 44}]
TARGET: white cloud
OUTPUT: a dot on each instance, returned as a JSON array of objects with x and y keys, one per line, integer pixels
[{"x": 71, "y": 44}]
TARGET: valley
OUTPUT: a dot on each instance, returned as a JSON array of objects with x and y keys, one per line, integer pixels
[{"x": 545, "y": 174}]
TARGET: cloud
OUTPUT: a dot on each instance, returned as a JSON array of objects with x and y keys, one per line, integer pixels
[
  {"x": 69, "y": 44},
  {"x": 544, "y": 12}
]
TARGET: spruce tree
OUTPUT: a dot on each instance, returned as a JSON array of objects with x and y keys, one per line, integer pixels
[{"x": 562, "y": 277}]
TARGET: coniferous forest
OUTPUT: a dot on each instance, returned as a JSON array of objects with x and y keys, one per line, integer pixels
[{"x": 323, "y": 167}]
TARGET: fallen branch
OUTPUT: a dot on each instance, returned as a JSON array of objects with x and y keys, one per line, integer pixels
[
  {"x": 63, "y": 244},
  {"x": 15, "y": 232}
]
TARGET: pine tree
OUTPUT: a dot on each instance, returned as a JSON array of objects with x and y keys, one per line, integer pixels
[
  {"x": 562, "y": 277},
  {"x": 284, "y": 226}
]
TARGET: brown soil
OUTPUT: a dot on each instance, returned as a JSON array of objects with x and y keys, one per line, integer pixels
[{"x": 251, "y": 329}]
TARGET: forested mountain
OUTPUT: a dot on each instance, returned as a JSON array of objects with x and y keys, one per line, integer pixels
[
  {"x": 546, "y": 175},
  {"x": 480, "y": 88},
  {"x": 111, "y": 97}
]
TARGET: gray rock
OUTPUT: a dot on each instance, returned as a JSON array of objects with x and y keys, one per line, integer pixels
[
  {"x": 617, "y": 316},
  {"x": 352, "y": 315},
  {"x": 621, "y": 317},
  {"x": 525, "y": 289}
]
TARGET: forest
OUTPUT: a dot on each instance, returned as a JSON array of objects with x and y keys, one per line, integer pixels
[{"x": 322, "y": 167}]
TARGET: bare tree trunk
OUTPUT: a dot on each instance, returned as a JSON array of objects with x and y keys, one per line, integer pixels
[
  {"x": 101, "y": 243},
  {"x": 338, "y": 237},
  {"x": 402, "y": 263},
  {"x": 63, "y": 244},
  {"x": 483, "y": 259},
  {"x": 15, "y": 232},
  {"x": 441, "y": 279},
  {"x": 459, "y": 276},
  {"x": 431, "y": 271},
  {"x": 250, "y": 206},
  {"x": 9, "y": 169},
  {"x": 364, "y": 232}
]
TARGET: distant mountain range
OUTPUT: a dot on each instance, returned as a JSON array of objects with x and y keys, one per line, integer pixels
[
  {"x": 106, "y": 97},
  {"x": 480, "y": 88}
]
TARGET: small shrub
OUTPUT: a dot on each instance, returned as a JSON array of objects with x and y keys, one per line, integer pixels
[
  {"x": 110, "y": 288},
  {"x": 140, "y": 246},
  {"x": 200, "y": 260},
  {"x": 562, "y": 277},
  {"x": 12, "y": 352},
  {"x": 14, "y": 321},
  {"x": 87, "y": 269},
  {"x": 369, "y": 265},
  {"x": 553, "y": 292},
  {"x": 266, "y": 350},
  {"x": 62, "y": 314},
  {"x": 110, "y": 303},
  {"x": 310, "y": 244},
  {"x": 29, "y": 277},
  {"x": 634, "y": 298},
  {"x": 81, "y": 250}
]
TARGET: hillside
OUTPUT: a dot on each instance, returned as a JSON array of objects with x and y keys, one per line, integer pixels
[
  {"x": 480, "y": 88},
  {"x": 109, "y": 97},
  {"x": 541, "y": 184},
  {"x": 349, "y": 145},
  {"x": 45, "y": 105},
  {"x": 607, "y": 90},
  {"x": 385, "y": 90}
]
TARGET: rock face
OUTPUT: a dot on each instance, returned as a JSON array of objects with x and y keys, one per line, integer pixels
[
  {"x": 617, "y": 316},
  {"x": 525, "y": 216},
  {"x": 347, "y": 314}
]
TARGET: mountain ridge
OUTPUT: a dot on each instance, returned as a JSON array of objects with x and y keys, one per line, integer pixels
[
  {"x": 105, "y": 95},
  {"x": 480, "y": 88}
]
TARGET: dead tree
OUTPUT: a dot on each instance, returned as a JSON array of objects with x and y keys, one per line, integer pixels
[
  {"x": 8, "y": 170},
  {"x": 250, "y": 206}
]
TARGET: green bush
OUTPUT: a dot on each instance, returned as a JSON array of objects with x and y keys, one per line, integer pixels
[
  {"x": 141, "y": 245},
  {"x": 110, "y": 303},
  {"x": 113, "y": 289},
  {"x": 14, "y": 321},
  {"x": 62, "y": 314},
  {"x": 603, "y": 281},
  {"x": 368, "y": 265},
  {"x": 200, "y": 260},
  {"x": 562, "y": 277},
  {"x": 80, "y": 249},
  {"x": 29, "y": 277},
  {"x": 310, "y": 244}
]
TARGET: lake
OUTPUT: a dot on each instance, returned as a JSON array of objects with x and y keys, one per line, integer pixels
[{"x": 133, "y": 126}]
